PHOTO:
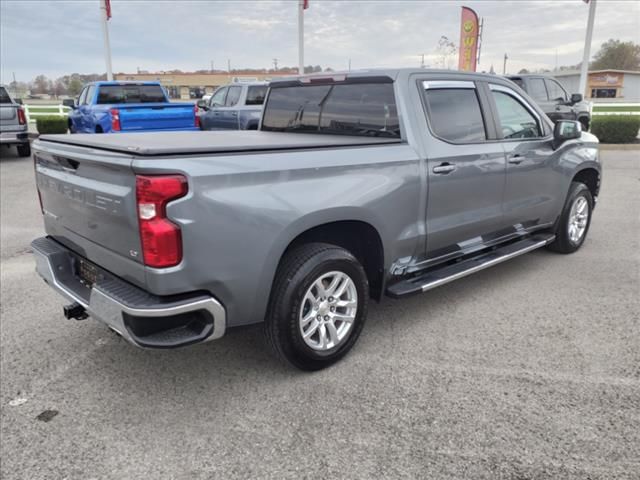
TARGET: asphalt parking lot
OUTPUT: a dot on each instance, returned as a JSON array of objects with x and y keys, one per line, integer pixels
[{"x": 528, "y": 370}]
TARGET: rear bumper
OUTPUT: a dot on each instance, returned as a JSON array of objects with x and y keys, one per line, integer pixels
[
  {"x": 144, "y": 319},
  {"x": 14, "y": 137}
]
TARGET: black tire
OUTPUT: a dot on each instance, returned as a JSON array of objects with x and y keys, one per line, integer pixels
[
  {"x": 24, "y": 150},
  {"x": 72, "y": 129},
  {"x": 297, "y": 271},
  {"x": 563, "y": 242}
]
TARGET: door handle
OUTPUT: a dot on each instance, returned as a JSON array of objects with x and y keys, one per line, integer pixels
[
  {"x": 516, "y": 159},
  {"x": 444, "y": 168},
  {"x": 234, "y": 114}
]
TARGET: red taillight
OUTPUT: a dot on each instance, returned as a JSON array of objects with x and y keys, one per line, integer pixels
[
  {"x": 115, "y": 119},
  {"x": 22, "y": 118},
  {"x": 161, "y": 239},
  {"x": 197, "y": 117}
]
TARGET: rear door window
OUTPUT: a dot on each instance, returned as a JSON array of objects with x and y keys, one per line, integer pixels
[
  {"x": 255, "y": 95},
  {"x": 233, "y": 96},
  {"x": 454, "y": 114},
  {"x": 537, "y": 91},
  {"x": 556, "y": 92}
]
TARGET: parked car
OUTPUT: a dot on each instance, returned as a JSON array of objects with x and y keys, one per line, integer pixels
[
  {"x": 13, "y": 124},
  {"x": 554, "y": 99},
  {"x": 357, "y": 185},
  {"x": 236, "y": 106},
  {"x": 110, "y": 107}
]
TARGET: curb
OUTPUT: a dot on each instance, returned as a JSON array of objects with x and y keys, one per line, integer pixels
[{"x": 619, "y": 146}]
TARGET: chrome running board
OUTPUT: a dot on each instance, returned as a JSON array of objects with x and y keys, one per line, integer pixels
[{"x": 438, "y": 276}]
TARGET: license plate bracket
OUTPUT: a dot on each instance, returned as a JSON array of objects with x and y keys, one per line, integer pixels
[{"x": 87, "y": 272}]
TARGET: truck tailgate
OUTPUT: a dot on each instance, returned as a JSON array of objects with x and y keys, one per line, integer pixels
[
  {"x": 8, "y": 115},
  {"x": 89, "y": 204},
  {"x": 156, "y": 116}
]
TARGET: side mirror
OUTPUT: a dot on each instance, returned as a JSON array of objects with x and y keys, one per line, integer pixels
[
  {"x": 18, "y": 101},
  {"x": 69, "y": 102},
  {"x": 202, "y": 104},
  {"x": 566, "y": 130},
  {"x": 576, "y": 98}
]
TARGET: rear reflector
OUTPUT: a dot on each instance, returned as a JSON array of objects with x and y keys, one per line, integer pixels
[
  {"x": 161, "y": 239},
  {"x": 115, "y": 119}
]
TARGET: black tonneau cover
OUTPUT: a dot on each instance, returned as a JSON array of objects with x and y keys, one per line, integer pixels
[{"x": 185, "y": 143}]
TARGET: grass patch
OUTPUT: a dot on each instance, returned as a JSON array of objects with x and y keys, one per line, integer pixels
[{"x": 635, "y": 108}]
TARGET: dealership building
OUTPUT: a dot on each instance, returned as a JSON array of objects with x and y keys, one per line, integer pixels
[
  {"x": 603, "y": 85},
  {"x": 187, "y": 86}
]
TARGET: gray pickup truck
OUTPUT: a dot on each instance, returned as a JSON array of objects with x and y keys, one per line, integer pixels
[
  {"x": 13, "y": 124},
  {"x": 356, "y": 186}
]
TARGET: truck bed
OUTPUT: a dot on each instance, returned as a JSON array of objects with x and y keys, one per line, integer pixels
[{"x": 186, "y": 143}]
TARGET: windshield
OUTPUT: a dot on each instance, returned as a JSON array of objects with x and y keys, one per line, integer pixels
[
  {"x": 4, "y": 96},
  {"x": 131, "y": 94},
  {"x": 364, "y": 109}
]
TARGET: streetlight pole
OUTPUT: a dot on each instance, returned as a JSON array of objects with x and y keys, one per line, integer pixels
[
  {"x": 105, "y": 34},
  {"x": 301, "y": 6},
  {"x": 504, "y": 65},
  {"x": 584, "y": 68}
]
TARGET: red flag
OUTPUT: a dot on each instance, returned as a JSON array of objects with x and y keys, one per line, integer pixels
[
  {"x": 107, "y": 7},
  {"x": 468, "y": 40},
  {"x": 305, "y": 4}
]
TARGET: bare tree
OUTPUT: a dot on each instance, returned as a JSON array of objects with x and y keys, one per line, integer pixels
[{"x": 446, "y": 48}]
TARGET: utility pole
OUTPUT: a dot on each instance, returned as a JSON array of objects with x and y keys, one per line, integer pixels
[
  {"x": 584, "y": 68},
  {"x": 422, "y": 60},
  {"x": 302, "y": 4},
  {"x": 504, "y": 65},
  {"x": 229, "y": 66},
  {"x": 211, "y": 66},
  {"x": 105, "y": 34},
  {"x": 275, "y": 64},
  {"x": 349, "y": 64}
]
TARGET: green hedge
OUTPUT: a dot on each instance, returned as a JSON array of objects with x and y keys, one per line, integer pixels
[
  {"x": 615, "y": 128},
  {"x": 51, "y": 124}
]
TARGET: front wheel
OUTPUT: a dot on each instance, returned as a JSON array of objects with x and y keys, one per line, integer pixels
[
  {"x": 574, "y": 221},
  {"x": 318, "y": 306}
]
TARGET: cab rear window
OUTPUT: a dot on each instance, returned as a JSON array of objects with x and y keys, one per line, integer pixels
[
  {"x": 359, "y": 109},
  {"x": 131, "y": 94}
]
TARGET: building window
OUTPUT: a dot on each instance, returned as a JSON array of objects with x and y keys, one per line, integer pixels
[
  {"x": 603, "y": 93},
  {"x": 173, "y": 91}
]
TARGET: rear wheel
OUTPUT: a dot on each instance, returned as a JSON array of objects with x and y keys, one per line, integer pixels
[
  {"x": 574, "y": 221},
  {"x": 24, "y": 150},
  {"x": 318, "y": 306}
]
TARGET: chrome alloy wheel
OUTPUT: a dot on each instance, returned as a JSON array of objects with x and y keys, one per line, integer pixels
[
  {"x": 328, "y": 311},
  {"x": 578, "y": 219}
]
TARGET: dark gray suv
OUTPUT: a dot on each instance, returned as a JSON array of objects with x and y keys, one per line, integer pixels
[{"x": 554, "y": 99}]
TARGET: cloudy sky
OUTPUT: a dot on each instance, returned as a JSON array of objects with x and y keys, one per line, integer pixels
[{"x": 55, "y": 37}]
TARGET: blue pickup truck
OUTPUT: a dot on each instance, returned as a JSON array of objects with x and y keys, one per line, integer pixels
[{"x": 107, "y": 107}]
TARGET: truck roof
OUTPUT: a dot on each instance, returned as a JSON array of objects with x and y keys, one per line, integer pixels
[
  {"x": 392, "y": 73},
  {"x": 127, "y": 82}
]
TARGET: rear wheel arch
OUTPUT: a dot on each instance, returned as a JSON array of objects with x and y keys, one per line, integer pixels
[{"x": 359, "y": 238}]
